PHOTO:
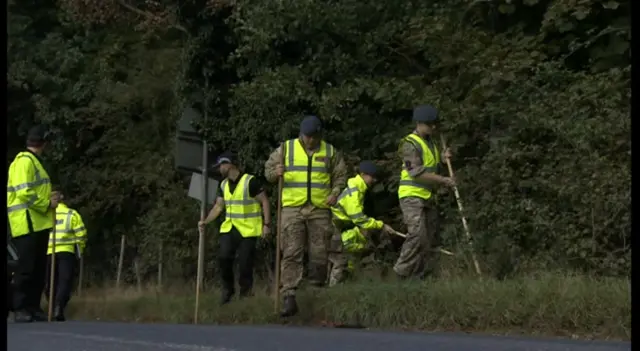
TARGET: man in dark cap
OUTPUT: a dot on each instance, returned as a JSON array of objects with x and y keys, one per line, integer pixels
[
  {"x": 30, "y": 209},
  {"x": 247, "y": 218},
  {"x": 352, "y": 228},
  {"x": 418, "y": 180},
  {"x": 314, "y": 173}
]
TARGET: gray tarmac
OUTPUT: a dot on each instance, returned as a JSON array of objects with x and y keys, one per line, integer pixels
[{"x": 103, "y": 336}]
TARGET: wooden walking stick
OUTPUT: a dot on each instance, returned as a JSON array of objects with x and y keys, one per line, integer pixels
[
  {"x": 441, "y": 250},
  {"x": 120, "y": 261},
  {"x": 52, "y": 270},
  {"x": 461, "y": 210},
  {"x": 80, "y": 274},
  {"x": 199, "y": 277},
  {"x": 276, "y": 283}
]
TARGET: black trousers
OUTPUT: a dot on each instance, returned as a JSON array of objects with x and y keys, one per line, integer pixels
[
  {"x": 65, "y": 272},
  {"x": 30, "y": 272},
  {"x": 232, "y": 244}
]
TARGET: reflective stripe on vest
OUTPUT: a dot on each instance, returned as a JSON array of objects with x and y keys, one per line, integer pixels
[
  {"x": 39, "y": 180},
  {"x": 17, "y": 205},
  {"x": 67, "y": 238},
  {"x": 241, "y": 211},
  {"x": 430, "y": 160},
  {"x": 306, "y": 178},
  {"x": 348, "y": 194}
]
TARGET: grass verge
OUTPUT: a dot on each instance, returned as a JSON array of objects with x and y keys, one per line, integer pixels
[{"x": 549, "y": 305}]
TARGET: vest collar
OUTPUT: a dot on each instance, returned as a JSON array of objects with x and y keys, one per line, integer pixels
[
  {"x": 305, "y": 149},
  {"x": 240, "y": 175},
  {"x": 34, "y": 154},
  {"x": 428, "y": 138}
]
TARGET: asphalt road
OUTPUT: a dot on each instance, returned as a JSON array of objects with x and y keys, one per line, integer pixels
[{"x": 103, "y": 336}]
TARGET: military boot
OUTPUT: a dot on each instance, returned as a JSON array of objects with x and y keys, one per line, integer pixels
[
  {"x": 58, "y": 314},
  {"x": 290, "y": 307},
  {"x": 225, "y": 298},
  {"x": 22, "y": 317},
  {"x": 38, "y": 315}
]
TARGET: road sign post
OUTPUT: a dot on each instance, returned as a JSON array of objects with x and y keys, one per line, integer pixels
[{"x": 192, "y": 155}]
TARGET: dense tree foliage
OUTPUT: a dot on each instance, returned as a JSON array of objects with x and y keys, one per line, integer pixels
[{"x": 534, "y": 96}]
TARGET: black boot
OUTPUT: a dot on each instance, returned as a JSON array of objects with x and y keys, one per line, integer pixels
[
  {"x": 226, "y": 297},
  {"x": 38, "y": 315},
  {"x": 58, "y": 314},
  {"x": 290, "y": 307},
  {"x": 22, "y": 317}
]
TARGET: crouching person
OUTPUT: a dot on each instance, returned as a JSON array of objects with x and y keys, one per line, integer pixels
[{"x": 352, "y": 228}]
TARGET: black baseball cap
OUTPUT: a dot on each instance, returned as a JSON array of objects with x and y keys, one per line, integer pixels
[
  {"x": 311, "y": 125},
  {"x": 38, "y": 134},
  {"x": 368, "y": 167},
  {"x": 225, "y": 157},
  {"x": 425, "y": 114}
]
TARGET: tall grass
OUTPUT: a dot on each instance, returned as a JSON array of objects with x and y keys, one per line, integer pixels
[{"x": 543, "y": 304}]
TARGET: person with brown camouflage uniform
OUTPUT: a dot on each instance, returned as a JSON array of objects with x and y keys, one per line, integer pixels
[
  {"x": 418, "y": 180},
  {"x": 314, "y": 174}
]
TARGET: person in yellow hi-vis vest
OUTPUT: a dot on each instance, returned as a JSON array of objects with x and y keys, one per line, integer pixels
[
  {"x": 70, "y": 238},
  {"x": 313, "y": 174},
  {"x": 30, "y": 204},
  {"x": 418, "y": 179},
  {"x": 352, "y": 227},
  {"x": 243, "y": 199}
]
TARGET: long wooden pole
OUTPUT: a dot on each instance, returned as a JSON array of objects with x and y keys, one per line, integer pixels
[
  {"x": 80, "y": 275},
  {"x": 199, "y": 274},
  {"x": 461, "y": 210},
  {"x": 120, "y": 261},
  {"x": 203, "y": 207},
  {"x": 276, "y": 283},
  {"x": 52, "y": 270},
  {"x": 441, "y": 250}
]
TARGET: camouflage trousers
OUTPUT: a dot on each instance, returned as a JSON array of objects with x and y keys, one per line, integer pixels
[
  {"x": 418, "y": 257},
  {"x": 305, "y": 228},
  {"x": 340, "y": 258}
]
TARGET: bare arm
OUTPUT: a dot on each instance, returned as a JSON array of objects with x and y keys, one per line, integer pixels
[
  {"x": 338, "y": 174},
  {"x": 270, "y": 166},
  {"x": 266, "y": 207},
  {"x": 215, "y": 211}
]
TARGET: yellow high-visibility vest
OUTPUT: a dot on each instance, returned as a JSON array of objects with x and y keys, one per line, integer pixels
[
  {"x": 408, "y": 187},
  {"x": 306, "y": 178},
  {"x": 241, "y": 211},
  {"x": 71, "y": 234},
  {"x": 350, "y": 205},
  {"x": 28, "y": 191}
]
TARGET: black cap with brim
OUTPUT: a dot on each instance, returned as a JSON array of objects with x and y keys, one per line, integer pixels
[
  {"x": 38, "y": 134},
  {"x": 311, "y": 125},
  {"x": 368, "y": 167},
  {"x": 225, "y": 157},
  {"x": 425, "y": 114}
]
